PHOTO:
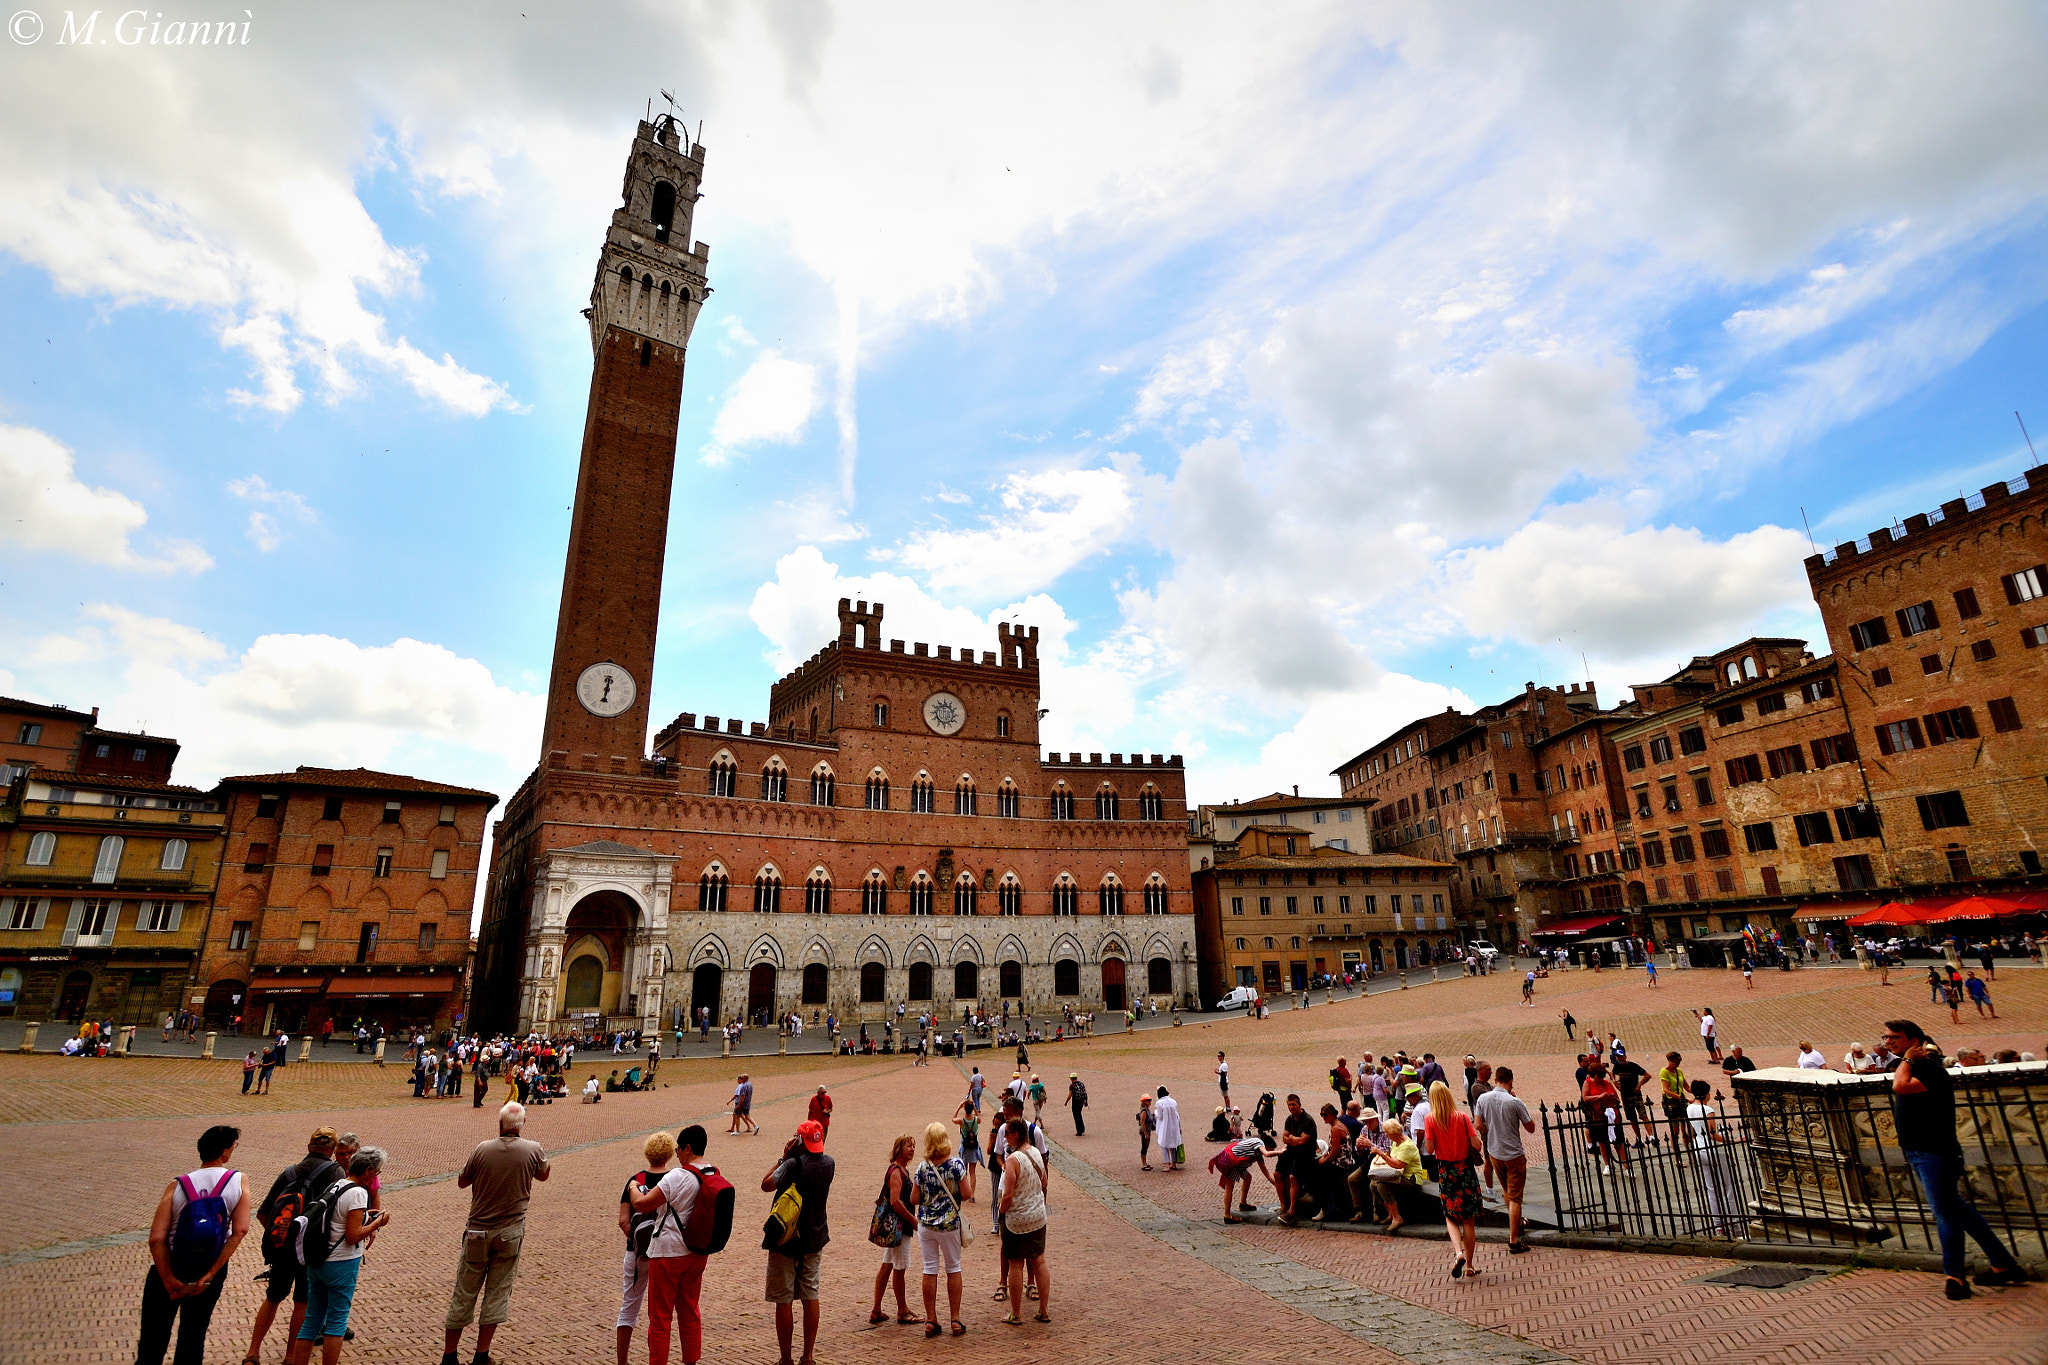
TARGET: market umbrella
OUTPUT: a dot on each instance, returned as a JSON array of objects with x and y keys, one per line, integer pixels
[
  {"x": 1899, "y": 914},
  {"x": 1981, "y": 907}
]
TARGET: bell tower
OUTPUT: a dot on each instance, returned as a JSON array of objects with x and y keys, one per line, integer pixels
[{"x": 650, "y": 285}]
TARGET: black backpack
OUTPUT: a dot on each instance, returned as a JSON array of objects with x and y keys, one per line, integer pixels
[
  {"x": 287, "y": 1203},
  {"x": 311, "y": 1241},
  {"x": 641, "y": 1227}
]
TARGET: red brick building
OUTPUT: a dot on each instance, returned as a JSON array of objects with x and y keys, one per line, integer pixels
[
  {"x": 894, "y": 797},
  {"x": 344, "y": 894}
]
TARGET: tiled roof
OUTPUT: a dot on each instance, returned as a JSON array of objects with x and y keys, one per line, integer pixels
[
  {"x": 359, "y": 779},
  {"x": 38, "y": 708},
  {"x": 1282, "y": 801},
  {"x": 1328, "y": 857},
  {"x": 61, "y": 777},
  {"x": 99, "y": 733}
]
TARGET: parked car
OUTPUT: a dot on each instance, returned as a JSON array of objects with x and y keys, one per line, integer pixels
[
  {"x": 1479, "y": 947},
  {"x": 1243, "y": 998}
]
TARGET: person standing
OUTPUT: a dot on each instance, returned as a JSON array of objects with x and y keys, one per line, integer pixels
[
  {"x": 1672, "y": 1084},
  {"x": 331, "y": 1285},
  {"x": 248, "y": 1070},
  {"x": 1223, "y": 1078},
  {"x": 1456, "y": 1144},
  {"x": 793, "y": 1267},
  {"x": 1166, "y": 1114},
  {"x": 1502, "y": 1119},
  {"x": 968, "y": 1120},
  {"x": 1529, "y": 989},
  {"x": 939, "y": 1185},
  {"x": 821, "y": 1112},
  {"x": 1710, "y": 1038},
  {"x": 896, "y": 1258},
  {"x": 657, "y": 1151},
  {"x": 1571, "y": 1025},
  {"x": 1147, "y": 1122},
  {"x": 674, "y": 1274},
  {"x": 1980, "y": 995},
  {"x": 1077, "y": 1100},
  {"x": 1924, "y": 1105},
  {"x": 200, "y": 1221},
  {"x": 1340, "y": 1081},
  {"x": 1037, "y": 1094},
  {"x": 1024, "y": 1216},
  {"x": 499, "y": 1176},
  {"x": 742, "y": 1106}
]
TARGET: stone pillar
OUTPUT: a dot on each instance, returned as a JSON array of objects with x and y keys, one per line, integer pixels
[
  {"x": 782, "y": 1042},
  {"x": 206, "y": 1052},
  {"x": 34, "y": 1026},
  {"x": 1863, "y": 962},
  {"x": 380, "y": 1052},
  {"x": 306, "y": 1048},
  {"x": 724, "y": 1044},
  {"x": 127, "y": 1047}
]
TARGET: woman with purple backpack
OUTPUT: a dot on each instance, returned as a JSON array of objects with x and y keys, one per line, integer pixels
[{"x": 199, "y": 1222}]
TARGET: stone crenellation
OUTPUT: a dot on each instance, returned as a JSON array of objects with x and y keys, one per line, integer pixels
[{"x": 1950, "y": 519}]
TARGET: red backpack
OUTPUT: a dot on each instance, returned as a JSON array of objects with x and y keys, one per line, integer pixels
[{"x": 710, "y": 1225}]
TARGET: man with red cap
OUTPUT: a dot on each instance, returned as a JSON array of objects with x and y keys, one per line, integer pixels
[{"x": 793, "y": 1262}]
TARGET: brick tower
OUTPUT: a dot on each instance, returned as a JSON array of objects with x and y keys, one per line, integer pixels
[{"x": 650, "y": 284}]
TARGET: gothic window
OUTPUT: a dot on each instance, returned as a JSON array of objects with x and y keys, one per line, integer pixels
[
  {"x": 664, "y": 214},
  {"x": 921, "y": 895},
  {"x": 1066, "y": 897},
  {"x": 1105, "y": 804},
  {"x": 878, "y": 792},
  {"x": 964, "y": 894},
  {"x": 725, "y": 776},
  {"x": 1066, "y": 977},
  {"x": 1109, "y": 897},
  {"x": 1062, "y": 803},
  {"x": 767, "y": 892},
  {"x": 1010, "y": 896},
  {"x": 775, "y": 782},
  {"x": 963, "y": 796},
  {"x": 711, "y": 888},
  {"x": 874, "y": 895},
  {"x": 821, "y": 784},
  {"x": 871, "y": 983},
  {"x": 1150, "y": 804},
  {"x": 1002, "y": 725},
  {"x": 920, "y": 981},
  {"x": 1155, "y": 895},
  {"x": 921, "y": 794},
  {"x": 1006, "y": 800},
  {"x": 818, "y": 893},
  {"x": 881, "y": 715}
]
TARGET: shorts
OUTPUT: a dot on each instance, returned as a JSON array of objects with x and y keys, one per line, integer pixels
[
  {"x": 331, "y": 1289},
  {"x": 793, "y": 1277},
  {"x": 1632, "y": 1106},
  {"x": 283, "y": 1281},
  {"x": 1514, "y": 1175},
  {"x": 632, "y": 1290},
  {"x": 1024, "y": 1246},
  {"x": 897, "y": 1257},
  {"x": 1295, "y": 1161},
  {"x": 742, "y": 1109},
  {"x": 941, "y": 1248}
]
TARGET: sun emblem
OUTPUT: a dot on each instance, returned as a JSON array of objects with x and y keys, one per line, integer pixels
[{"x": 944, "y": 713}]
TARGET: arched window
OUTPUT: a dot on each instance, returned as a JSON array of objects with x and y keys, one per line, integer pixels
[
  {"x": 174, "y": 855},
  {"x": 1002, "y": 725},
  {"x": 963, "y": 796},
  {"x": 871, "y": 983},
  {"x": 1066, "y": 897},
  {"x": 1151, "y": 806},
  {"x": 1066, "y": 977},
  {"x": 1109, "y": 897},
  {"x": 921, "y": 895},
  {"x": 664, "y": 214},
  {"x": 878, "y": 792},
  {"x": 108, "y": 864},
  {"x": 1105, "y": 803},
  {"x": 1294, "y": 942},
  {"x": 1010, "y": 896},
  {"x": 966, "y": 980},
  {"x": 647, "y": 283},
  {"x": 775, "y": 781},
  {"x": 1010, "y": 979},
  {"x": 585, "y": 985},
  {"x": 711, "y": 889},
  {"x": 815, "y": 978},
  {"x": 1006, "y": 800},
  {"x": 874, "y": 895},
  {"x": 1748, "y": 666},
  {"x": 814, "y": 720},
  {"x": 821, "y": 777},
  {"x": 41, "y": 849},
  {"x": 921, "y": 794},
  {"x": 724, "y": 776},
  {"x": 767, "y": 892},
  {"x": 1155, "y": 895},
  {"x": 964, "y": 894},
  {"x": 1240, "y": 945},
  {"x": 881, "y": 715},
  {"x": 1061, "y": 804},
  {"x": 1159, "y": 976},
  {"x": 626, "y": 278},
  {"x": 818, "y": 894},
  {"x": 920, "y": 981},
  {"x": 1734, "y": 673}
]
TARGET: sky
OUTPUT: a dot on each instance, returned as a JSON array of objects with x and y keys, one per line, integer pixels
[{"x": 1296, "y": 369}]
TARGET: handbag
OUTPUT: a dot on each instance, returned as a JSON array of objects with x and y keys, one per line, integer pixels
[
  {"x": 960, "y": 1212},
  {"x": 885, "y": 1229}
]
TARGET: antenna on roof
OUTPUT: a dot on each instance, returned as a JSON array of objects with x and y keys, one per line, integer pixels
[
  {"x": 1809, "y": 526},
  {"x": 2023, "y": 431}
]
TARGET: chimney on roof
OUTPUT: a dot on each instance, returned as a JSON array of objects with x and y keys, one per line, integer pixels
[
  {"x": 1297, "y": 789},
  {"x": 1528, "y": 687},
  {"x": 95, "y": 715}
]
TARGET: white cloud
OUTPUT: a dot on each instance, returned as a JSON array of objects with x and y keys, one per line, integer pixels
[
  {"x": 1576, "y": 579},
  {"x": 46, "y": 508},
  {"x": 1051, "y": 521},
  {"x": 264, "y": 531},
  {"x": 770, "y": 404}
]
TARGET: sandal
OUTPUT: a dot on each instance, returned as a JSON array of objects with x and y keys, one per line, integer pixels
[
  {"x": 959, "y": 1328},
  {"x": 1030, "y": 1291},
  {"x": 1043, "y": 1317},
  {"x": 1232, "y": 1218},
  {"x": 1458, "y": 1269},
  {"x": 908, "y": 1322},
  {"x": 878, "y": 1316},
  {"x": 1013, "y": 1321},
  {"x": 1002, "y": 1292},
  {"x": 932, "y": 1329}
]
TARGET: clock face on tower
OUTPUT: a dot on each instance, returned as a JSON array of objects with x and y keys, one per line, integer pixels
[
  {"x": 944, "y": 713},
  {"x": 606, "y": 690}
]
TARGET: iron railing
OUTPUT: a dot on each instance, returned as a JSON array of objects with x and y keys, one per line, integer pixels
[{"x": 1804, "y": 1157}]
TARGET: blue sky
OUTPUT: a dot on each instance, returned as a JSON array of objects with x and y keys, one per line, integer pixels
[{"x": 1294, "y": 375}]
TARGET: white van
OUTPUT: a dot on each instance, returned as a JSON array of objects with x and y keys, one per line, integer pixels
[
  {"x": 1240, "y": 999},
  {"x": 1479, "y": 947}
]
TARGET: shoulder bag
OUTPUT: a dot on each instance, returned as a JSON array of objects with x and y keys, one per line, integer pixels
[{"x": 959, "y": 1209}]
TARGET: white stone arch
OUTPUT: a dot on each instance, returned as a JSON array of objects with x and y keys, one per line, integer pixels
[
  {"x": 767, "y": 949},
  {"x": 920, "y": 949},
  {"x": 1158, "y": 946},
  {"x": 874, "y": 949},
  {"x": 879, "y": 771},
  {"x": 710, "y": 948},
  {"x": 1112, "y": 941},
  {"x": 818, "y": 950},
  {"x": 923, "y": 775},
  {"x": 1110, "y": 878},
  {"x": 967, "y": 948},
  {"x": 770, "y": 870},
  {"x": 724, "y": 755},
  {"x": 1011, "y": 949},
  {"x": 1066, "y": 946},
  {"x": 715, "y": 868},
  {"x": 820, "y": 870},
  {"x": 822, "y": 769}
]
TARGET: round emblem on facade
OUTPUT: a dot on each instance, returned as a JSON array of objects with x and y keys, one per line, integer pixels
[
  {"x": 944, "y": 713},
  {"x": 606, "y": 690}
]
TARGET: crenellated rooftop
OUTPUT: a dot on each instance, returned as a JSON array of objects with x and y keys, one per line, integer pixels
[{"x": 1992, "y": 499}]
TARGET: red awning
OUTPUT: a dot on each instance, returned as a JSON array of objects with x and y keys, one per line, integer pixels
[
  {"x": 1583, "y": 924},
  {"x": 1992, "y": 905},
  {"x": 289, "y": 985},
  {"x": 1817, "y": 910},
  {"x": 391, "y": 985}
]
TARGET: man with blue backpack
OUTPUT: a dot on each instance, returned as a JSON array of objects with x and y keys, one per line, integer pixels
[{"x": 199, "y": 1222}]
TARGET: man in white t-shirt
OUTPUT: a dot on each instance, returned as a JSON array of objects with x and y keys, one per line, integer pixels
[
  {"x": 188, "y": 1271},
  {"x": 1223, "y": 1078},
  {"x": 1708, "y": 1040}
]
